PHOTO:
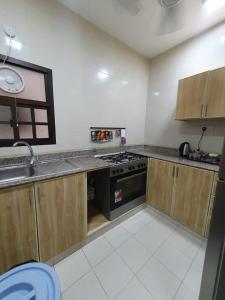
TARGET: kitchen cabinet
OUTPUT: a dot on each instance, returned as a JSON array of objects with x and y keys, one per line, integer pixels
[
  {"x": 191, "y": 97},
  {"x": 18, "y": 234},
  {"x": 192, "y": 195},
  {"x": 211, "y": 204},
  {"x": 183, "y": 192},
  {"x": 215, "y": 94},
  {"x": 202, "y": 96},
  {"x": 160, "y": 185},
  {"x": 61, "y": 214}
]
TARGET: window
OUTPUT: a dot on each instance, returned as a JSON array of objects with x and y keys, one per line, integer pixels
[{"x": 28, "y": 116}]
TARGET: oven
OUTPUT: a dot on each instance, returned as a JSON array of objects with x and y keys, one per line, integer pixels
[{"x": 126, "y": 188}]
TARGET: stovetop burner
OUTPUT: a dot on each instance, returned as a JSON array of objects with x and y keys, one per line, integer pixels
[{"x": 120, "y": 158}]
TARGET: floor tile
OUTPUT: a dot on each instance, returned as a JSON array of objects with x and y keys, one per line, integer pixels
[
  {"x": 113, "y": 274},
  {"x": 186, "y": 242},
  {"x": 151, "y": 236},
  {"x": 97, "y": 250},
  {"x": 200, "y": 257},
  {"x": 71, "y": 269},
  {"x": 117, "y": 236},
  {"x": 185, "y": 294},
  {"x": 174, "y": 260},
  {"x": 134, "y": 254},
  {"x": 193, "y": 278},
  {"x": 134, "y": 290},
  {"x": 133, "y": 224},
  {"x": 86, "y": 288},
  {"x": 158, "y": 280},
  {"x": 146, "y": 215}
]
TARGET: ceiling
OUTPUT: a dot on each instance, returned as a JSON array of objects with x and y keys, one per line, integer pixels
[{"x": 141, "y": 31}]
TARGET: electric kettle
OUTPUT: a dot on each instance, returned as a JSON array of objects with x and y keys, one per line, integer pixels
[{"x": 185, "y": 149}]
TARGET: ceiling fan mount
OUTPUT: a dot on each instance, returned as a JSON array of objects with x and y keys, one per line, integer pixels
[{"x": 169, "y": 3}]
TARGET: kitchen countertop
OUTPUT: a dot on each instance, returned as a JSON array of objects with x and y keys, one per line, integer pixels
[
  {"x": 61, "y": 166},
  {"x": 176, "y": 159}
]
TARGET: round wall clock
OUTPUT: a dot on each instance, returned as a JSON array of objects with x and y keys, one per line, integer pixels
[{"x": 11, "y": 81}]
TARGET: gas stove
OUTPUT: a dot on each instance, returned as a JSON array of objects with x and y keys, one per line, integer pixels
[{"x": 124, "y": 162}]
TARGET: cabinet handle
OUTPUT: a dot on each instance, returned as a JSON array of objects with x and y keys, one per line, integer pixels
[
  {"x": 206, "y": 110},
  {"x": 202, "y": 110},
  {"x": 177, "y": 173},
  {"x": 173, "y": 174},
  {"x": 30, "y": 197}
]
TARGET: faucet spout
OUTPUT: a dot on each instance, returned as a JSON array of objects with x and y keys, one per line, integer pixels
[{"x": 33, "y": 158}]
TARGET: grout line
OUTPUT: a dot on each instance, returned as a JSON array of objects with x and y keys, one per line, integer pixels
[{"x": 93, "y": 270}]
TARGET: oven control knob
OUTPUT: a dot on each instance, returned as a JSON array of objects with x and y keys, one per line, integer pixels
[
  {"x": 114, "y": 172},
  {"x": 118, "y": 171},
  {"x": 121, "y": 170},
  {"x": 130, "y": 168},
  {"x": 133, "y": 168}
]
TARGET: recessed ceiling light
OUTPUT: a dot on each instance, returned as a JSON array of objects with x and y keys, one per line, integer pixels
[
  {"x": 103, "y": 75},
  {"x": 213, "y": 5},
  {"x": 156, "y": 94},
  {"x": 124, "y": 82}
]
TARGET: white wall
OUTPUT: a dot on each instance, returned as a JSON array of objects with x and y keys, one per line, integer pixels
[
  {"x": 54, "y": 37},
  {"x": 197, "y": 55}
]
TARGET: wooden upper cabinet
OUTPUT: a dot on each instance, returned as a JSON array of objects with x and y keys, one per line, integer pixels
[
  {"x": 61, "y": 214},
  {"x": 192, "y": 195},
  {"x": 18, "y": 235},
  {"x": 160, "y": 185},
  {"x": 215, "y": 94},
  {"x": 190, "y": 99}
]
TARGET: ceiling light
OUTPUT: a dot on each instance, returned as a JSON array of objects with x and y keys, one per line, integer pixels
[
  {"x": 213, "y": 5},
  {"x": 14, "y": 44},
  {"x": 103, "y": 75},
  {"x": 156, "y": 94},
  {"x": 124, "y": 82}
]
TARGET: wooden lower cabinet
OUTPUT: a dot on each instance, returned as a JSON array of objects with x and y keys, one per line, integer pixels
[
  {"x": 193, "y": 188},
  {"x": 160, "y": 185},
  {"x": 211, "y": 204},
  {"x": 183, "y": 192},
  {"x": 61, "y": 214},
  {"x": 18, "y": 234}
]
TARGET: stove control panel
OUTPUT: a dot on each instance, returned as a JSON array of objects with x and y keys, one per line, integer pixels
[{"x": 128, "y": 167}]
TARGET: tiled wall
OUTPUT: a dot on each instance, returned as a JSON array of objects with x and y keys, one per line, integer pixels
[
  {"x": 97, "y": 80},
  {"x": 200, "y": 54}
]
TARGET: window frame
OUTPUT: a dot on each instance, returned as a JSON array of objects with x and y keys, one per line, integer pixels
[{"x": 32, "y": 104}]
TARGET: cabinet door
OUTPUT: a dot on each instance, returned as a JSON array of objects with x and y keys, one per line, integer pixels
[
  {"x": 211, "y": 204},
  {"x": 18, "y": 234},
  {"x": 215, "y": 94},
  {"x": 160, "y": 185},
  {"x": 192, "y": 195},
  {"x": 190, "y": 99},
  {"x": 61, "y": 214}
]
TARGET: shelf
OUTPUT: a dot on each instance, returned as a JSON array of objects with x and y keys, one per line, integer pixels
[{"x": 109, "y": 128}]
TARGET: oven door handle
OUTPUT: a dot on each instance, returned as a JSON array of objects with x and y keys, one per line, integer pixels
[{"x": 130, "y": 177}]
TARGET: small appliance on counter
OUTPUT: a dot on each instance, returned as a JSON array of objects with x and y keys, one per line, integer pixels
[
  {"x": 209, "y": 158},
  {"x": 185, "y": 149}
]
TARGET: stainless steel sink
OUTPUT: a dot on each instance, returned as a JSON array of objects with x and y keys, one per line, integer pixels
[{"x": 16, "y": 173}]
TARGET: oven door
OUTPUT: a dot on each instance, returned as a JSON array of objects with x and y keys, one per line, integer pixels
[{"x": 127, "y": 188}]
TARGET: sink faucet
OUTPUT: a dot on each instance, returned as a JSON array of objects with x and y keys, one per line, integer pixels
[{"x": 33, "y": 158}]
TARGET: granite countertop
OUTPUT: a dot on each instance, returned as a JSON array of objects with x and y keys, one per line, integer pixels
[
  {"x": 57, "y": 168},
  {"x": 61, "y": 164},
  {"x": 176, "y": 159}
]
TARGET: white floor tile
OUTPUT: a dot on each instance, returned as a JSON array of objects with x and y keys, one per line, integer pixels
[
  {"x": 134, "y": 254},
  {"x": 113, "y": 274},
  {"x": 71, "y": 269},
  {"x": 132, "y": 225},
  {"x": 151, "y": 236},
  {"x": 186, "y": 242},
  {"x": 193, "y": 278},
  {"x": 200, "y": 257},
  {"x": 97, "y": 250},
  {"x": 158, "y": 280},
  {"x": 86, "y": 288},
  {"x": 174, "y": 260},
  {"x": 185, "y": 294},
  {"x": 117, "y": 236},
  {"x": 147, "y": 215},
  {"x": 134, "y": 290}
]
